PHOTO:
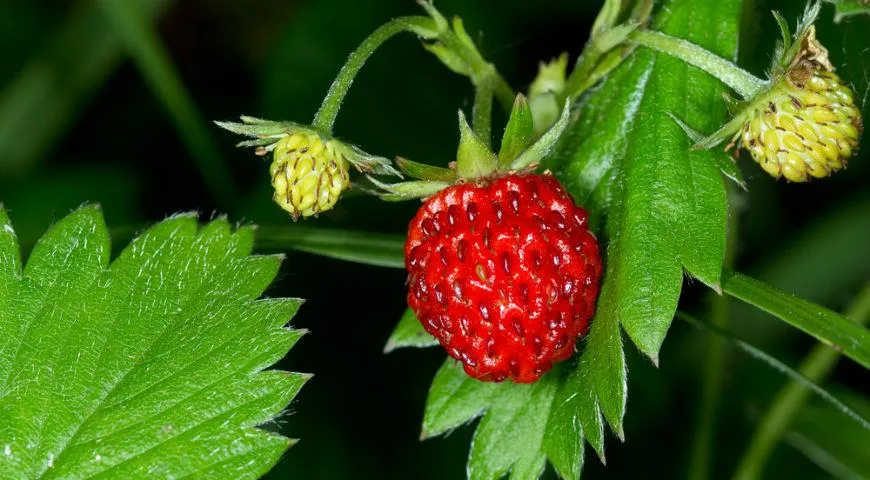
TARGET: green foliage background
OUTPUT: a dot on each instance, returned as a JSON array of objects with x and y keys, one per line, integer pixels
[{"x": 79, "y": 123}]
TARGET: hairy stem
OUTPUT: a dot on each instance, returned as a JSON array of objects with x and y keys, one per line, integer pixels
[
  {"x": 789, "y": 400},
  {"x": 325, "y": 117},
  {"x": 481, "y": 117},
  {"x": 743, "y": 82}
]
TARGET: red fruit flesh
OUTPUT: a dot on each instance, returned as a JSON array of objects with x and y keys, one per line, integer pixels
[{"x": 504, "y": 274}]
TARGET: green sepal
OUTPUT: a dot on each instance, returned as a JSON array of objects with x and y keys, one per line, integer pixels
[
  {"x": 615, "y": 36},
  {"x": 474, "y": 159},
  {"x": 519, "y": 132},
  {"x": 733, "y": 104},
  {"x": 425, "y": 28},
  {"x": 724, "y": 162},
  {"x": 366, "y": 162},
  {"x": 462, "y": 35},
  {"x": 544, "y": 145},
  {"x": 397, "y": 192},
  {"x": 706, "y": 142},
  {"x": 266, "y": 132},
  {"x": 449, "y": 58},
  {"x": 784, "y": 31},
  {"x": 422, "y": 171},
  {"x": 791, "y": 50}
]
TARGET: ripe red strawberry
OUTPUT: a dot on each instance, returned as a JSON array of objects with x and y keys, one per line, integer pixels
[{"x": 504, "y": 273}]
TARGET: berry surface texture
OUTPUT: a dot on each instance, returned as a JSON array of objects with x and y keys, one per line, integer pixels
[{"x": 504, "y": 273}]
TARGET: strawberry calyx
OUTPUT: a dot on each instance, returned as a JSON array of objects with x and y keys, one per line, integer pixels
[
  {"x": 265, "y": 136},
  {"x": 475, "y": 162}
]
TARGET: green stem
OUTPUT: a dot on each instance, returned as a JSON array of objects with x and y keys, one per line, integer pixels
[
  {"x": 789, "y": 400},
  {"x": 843, "y": 335},
  {"x": 714, "y": 368},
  {"x": 133, "y": 26},
  {"x": 743, "y": 82},
  {"x": 481, "y": 71},
  {"x": 481, "y": 116},
  {"x": 606, "y": 48},
  {"x": 325, "y": 116}
]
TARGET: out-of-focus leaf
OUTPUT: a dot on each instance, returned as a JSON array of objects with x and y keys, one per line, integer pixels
[
  {"x": 382, "y": 250},
  {"x": 835, "y": 443},
  {"x": 146, "y": 367},
  {"x": 39, "y": 104},
  {"x": 821, "y": 275},
  {"x": 780, "y": 367},
  {"x": 847, "y": 8},
  {"x": 144, "y": 47}
]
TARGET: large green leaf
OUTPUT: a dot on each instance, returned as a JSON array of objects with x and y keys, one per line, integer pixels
[
  {"x": 146, "y": 367},
  {"x": 669, "y": 211}
]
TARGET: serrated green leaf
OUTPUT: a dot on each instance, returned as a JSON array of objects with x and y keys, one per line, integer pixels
[
  {"x": 409, "y": 333},
  {"x": 148, "y": 366},
  {"x": 454, "y": 399},
  {"x": 605, "y": 359},
  {"x": 574, "y": 414},
  {"x": 511, "y": 434},
  {"x": 667, "y": 211},
  {"x": 522, "y": 425}
]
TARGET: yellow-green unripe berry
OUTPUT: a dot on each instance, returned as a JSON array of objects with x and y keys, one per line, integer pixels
[
  {"x": 808, "y": 127},
  {"x": 308, "y": 174}
]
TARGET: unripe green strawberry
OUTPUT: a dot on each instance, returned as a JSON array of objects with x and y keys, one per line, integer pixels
[
  {"x": 808, "y": 127},
  {"x": 308, "y": 174}
]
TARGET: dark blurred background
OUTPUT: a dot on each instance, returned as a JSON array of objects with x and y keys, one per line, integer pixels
[{"x": 80, "y": 123}]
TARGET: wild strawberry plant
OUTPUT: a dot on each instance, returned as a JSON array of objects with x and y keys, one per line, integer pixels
[
  {"x": 660, "y": 206},
  {"x": 150, "y": 366}
]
